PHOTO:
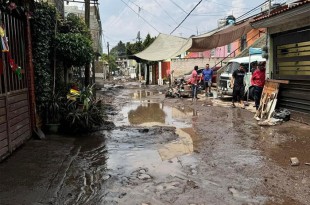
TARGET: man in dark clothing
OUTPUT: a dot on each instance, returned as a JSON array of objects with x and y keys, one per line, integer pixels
[{"x": 238, "y": 85}]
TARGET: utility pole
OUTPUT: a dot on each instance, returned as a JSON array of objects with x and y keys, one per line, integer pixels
[
  {"x": 87, "y": 21},
  {"x": 269, "y": 10},
  {"x": 108, "y": 46}
]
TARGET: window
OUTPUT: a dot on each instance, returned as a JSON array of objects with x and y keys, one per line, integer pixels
[
  {"x": 229, "y": 48},
  {"x": 243, "y": 43},
  {"x": 213, "y": 52}
]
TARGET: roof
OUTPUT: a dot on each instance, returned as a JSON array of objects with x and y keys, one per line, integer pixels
[
  {"x": 282, "y": 9},
  {"x": 165, "y": 47}
]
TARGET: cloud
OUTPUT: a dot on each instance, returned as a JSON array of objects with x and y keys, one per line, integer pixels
[{"x": 121, "y": 23}]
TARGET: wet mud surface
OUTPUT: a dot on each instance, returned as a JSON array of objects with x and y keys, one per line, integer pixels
[{"x": 176, "y": 151}]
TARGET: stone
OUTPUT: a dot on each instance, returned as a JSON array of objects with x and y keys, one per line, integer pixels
[
  {"x": 294, "y": 161},
  {"x": 144, "y": 176}
]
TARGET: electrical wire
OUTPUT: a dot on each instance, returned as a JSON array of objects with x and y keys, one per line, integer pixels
[
  {"x": 186, "y": 17},
  {"x": 257, "y": 7},
  {"x": 178, "y": 6},
  {"x": 165, "y": 11},
  {"x": 140, "y": 16}
]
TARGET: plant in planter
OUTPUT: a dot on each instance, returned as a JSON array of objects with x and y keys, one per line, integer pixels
[
  {"x": 84, "y": 114},
  {"x": 53, "y": 113}
]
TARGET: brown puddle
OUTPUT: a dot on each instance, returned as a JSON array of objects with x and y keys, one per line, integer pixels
[
  {"x": 150, "y": 114},
  {"x": 140, "y": 94}
]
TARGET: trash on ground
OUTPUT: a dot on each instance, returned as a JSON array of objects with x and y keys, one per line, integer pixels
[
  {"x": 307, "y": 163},
  {"x": 270, "y": 122},
  {"x": 294, "y": 161},
  {"x": 283, "y": 114}
]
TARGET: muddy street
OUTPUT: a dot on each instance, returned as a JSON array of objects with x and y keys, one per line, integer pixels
[{"x": 175, "y": 151}]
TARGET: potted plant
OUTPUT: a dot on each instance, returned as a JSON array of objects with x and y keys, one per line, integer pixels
[{"x": 53, "y": 113}]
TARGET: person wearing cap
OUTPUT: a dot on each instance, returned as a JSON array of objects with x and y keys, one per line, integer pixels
[
  {"x": 237, "y": 83},
  {"x": 258, "y": 81}
]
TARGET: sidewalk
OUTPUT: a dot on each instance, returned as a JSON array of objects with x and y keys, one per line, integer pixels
[{"x": 35, "y": 173}]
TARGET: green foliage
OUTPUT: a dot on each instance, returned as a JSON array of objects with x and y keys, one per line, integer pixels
[
  {"x": 119, "y": 50},
  {"x": 73, "y": 24},
  {"x": 43, "y": 27},
  {"x": 148, "y": 41},
  {"x": 53, "y": 108},
  {"x": 111, "y": 60},
  {"x": 84, "y": 114},
  {"x": 73, "y": 49}
]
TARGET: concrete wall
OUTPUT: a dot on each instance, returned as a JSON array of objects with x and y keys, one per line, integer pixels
[{"x": 181, "y": 66}]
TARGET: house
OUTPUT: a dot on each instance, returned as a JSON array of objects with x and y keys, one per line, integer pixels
[{"x": 289, "y": 54}]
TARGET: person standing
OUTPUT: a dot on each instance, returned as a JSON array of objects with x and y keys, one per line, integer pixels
[
  {"x": 194, "y": 82},
  {"x": 258, "y": 81},
  {"x": 238, "y": 85},
  {"x": 207, "y": 74}
]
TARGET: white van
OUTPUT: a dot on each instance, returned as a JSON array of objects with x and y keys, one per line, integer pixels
[{"x": 232, "y": 65}]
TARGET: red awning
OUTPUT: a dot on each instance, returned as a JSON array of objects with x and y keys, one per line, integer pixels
[{"x": 222, "y": 37}]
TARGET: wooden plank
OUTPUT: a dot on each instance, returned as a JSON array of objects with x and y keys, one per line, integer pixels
[
  {"x": 20, "y": 140},
  {"x": 2, "y": 119},
  {"x": 3, "y": 143},
  {"x": 292, "y": 45},
  {"x": 19, "y": 132},
  {"x": 17, "y": 98},
  {"x": 3, "y": 135},
  {"x": 19, "y": 125},
  {"x": 4, "y": 152},
  {"x": 2, "y": 111},
  {"x": 3, "y": 127},
  {"x": 2, "y": 103},
  {"x": 278, "y": 81},
  {"x": 19, "y": 111},
  {"x": 18, "y": 119},
  {"x": 18, "y": 105}
]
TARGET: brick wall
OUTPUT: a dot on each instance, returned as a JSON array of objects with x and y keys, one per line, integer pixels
[{"x": 181, "y": 66}]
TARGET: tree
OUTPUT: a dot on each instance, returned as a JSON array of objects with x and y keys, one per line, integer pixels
[
  {"x": 73, "y": 43},
  {"x": 148, "y": 41},
  {"x": 119, "y": 50},
  {"x": 111, "y": 60}
]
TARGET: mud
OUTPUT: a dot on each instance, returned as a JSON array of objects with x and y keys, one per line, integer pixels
[
  {"x": 176, "y": 151},
  {"x": 179, "y": 151}
]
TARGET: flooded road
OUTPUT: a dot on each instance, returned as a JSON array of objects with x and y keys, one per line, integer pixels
[{"x": 174, "y": 151}]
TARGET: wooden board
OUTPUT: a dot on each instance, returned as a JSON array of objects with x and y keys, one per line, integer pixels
[{"x": 268, "y": 99}]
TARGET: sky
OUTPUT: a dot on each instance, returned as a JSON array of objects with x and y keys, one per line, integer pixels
[{"x": 123, "y": 19}]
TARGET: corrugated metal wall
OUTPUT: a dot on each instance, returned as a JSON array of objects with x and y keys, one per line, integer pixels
[{"x": 292, "y": 62}]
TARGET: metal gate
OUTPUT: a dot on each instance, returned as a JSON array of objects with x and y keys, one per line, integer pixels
[
  {"x": 292, "y": 62},
  {"x": 15, "y": 125}
]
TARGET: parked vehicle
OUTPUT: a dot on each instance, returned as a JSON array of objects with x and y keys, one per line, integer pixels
[{"x": 232, "y": 65}]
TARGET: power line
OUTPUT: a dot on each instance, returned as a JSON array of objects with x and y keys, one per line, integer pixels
[
  {"x": 165, "y": 11},
  {"x": 186, "y": 17},
  {"x": 251, "y": 10},
  {"x": 178, "y": 6},
  {"x": 140, "y": 16}
]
